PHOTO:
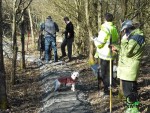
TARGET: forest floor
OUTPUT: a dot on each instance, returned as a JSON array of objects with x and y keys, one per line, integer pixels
[{"x": 31, "y": 92}]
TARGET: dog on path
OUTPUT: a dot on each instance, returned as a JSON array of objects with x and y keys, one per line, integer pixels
[{"x": 67, "y": 81}]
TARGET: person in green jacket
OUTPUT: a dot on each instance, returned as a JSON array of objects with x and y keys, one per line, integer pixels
[
  {"x": 108, "y": 34},
  {"x": 130, "y": 54}
]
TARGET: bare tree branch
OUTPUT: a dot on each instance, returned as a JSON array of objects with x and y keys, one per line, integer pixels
[{"x": 23, "y": 10}]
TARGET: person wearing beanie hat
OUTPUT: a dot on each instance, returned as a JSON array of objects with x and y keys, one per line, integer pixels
[
  {"x": 126, "y": 24},
  {"x": 130, "y": 54}
]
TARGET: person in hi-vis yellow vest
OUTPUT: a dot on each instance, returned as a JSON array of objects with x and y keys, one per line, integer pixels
[{"x": 108, "y": 31}]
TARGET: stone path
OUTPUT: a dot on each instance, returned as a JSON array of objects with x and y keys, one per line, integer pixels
[{"x": 65, "y": 100}]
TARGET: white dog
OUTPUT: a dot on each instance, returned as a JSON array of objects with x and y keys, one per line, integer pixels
[{"x": 66, "y": 81}]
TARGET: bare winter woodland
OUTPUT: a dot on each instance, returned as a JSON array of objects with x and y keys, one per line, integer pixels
[{"x": 25, "y": 81}]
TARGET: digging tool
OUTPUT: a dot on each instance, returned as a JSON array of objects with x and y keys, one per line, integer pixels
[
  {"x": 111, "y": 67},
  {"x": 96, "y": 70}
]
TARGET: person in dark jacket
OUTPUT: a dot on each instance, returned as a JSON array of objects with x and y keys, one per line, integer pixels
[
  {"x": 68, "y": 40},
  {"x": 50, "y": 36}
]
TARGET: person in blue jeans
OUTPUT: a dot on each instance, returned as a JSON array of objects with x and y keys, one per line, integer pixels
[{"x": 50, "y": 34}]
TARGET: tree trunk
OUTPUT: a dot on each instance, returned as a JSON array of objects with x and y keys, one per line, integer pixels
[
  {"x": 91, "y": 46},
  {"x": 78, "y": 14},
  {"x": 99, "y": 9},
  {"x": 99, "y": 18},
  {"x": 22, "y": 28},
  {"x": 1, "y": 40},
  {"x": 15, "y": 48},
  {"x": 31, "y": 27},
  {"x": 3, "y": 96},
  {"x": 124, "y": 5},
  {"x": 139, "y": 12}
]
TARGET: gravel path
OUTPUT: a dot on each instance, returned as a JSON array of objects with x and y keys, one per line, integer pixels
[{"x": 65, "y": 100}]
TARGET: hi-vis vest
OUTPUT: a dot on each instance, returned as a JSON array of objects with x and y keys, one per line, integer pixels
[{"x": 102, "y": 42}]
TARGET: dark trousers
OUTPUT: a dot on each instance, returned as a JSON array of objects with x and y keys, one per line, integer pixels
[
  {"x": 130, "y": 90},
  {"x": 105, "y": 73},
  {"x": 67, "y": 42}
]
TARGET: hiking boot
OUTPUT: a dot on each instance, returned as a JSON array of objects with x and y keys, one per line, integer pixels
[
  {"x": 62, "y": 56},
  {"x": 132, "y": 107},
  {"x": 106, "y": 90},
  {"x": 55, "y": 60},
  {"x": 132, "y": 110},
  {"x": 42, "y": 58}
]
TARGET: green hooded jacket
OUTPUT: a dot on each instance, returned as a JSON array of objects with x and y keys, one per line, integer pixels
[{"x": 130, "y": 55}]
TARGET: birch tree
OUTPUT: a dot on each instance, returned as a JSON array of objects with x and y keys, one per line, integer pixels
[{"x": 31, "y": 26}]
